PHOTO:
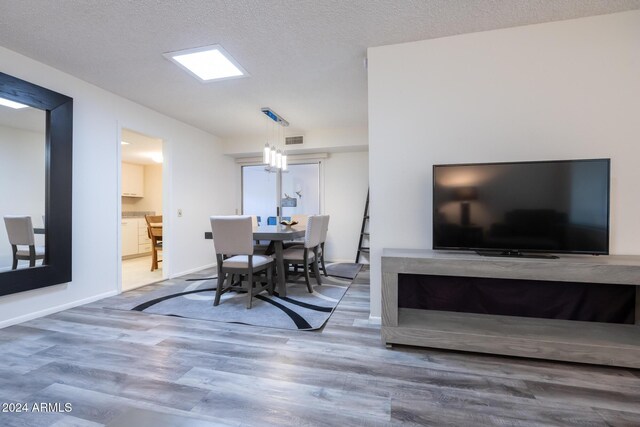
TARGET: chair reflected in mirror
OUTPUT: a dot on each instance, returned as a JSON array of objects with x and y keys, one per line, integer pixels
[{"x": 22, "y": 240}]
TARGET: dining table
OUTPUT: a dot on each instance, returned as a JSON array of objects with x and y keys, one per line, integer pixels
[{"x": 278, "y": 234}]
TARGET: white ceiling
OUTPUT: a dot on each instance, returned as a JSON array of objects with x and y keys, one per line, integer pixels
[
  {"x": 30, "y": 119},
  {"x": 305, "y": 57},
  {"x": 140, "y": 147}
]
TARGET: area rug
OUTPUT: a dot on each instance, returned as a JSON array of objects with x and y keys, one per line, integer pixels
[
  {"x": 192, "y": 297},
  {"x": 346, "y": 270}
]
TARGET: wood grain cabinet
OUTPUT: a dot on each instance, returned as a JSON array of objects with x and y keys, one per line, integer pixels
[
  {"x": 132, "y": 180},
  {"x": 614, "y": 344}
]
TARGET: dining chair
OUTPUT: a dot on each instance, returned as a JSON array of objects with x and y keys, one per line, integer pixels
[
  {"x": 307, "y": 254},
  {"x": 301, "y": 220},
  {"x": 233, "y": 241},
  {"x": 154, "y": 231},
  {"x": 258, "y": 247},
  {"x": 20, "y": 233},
  {"x": 323, "y": 239}
]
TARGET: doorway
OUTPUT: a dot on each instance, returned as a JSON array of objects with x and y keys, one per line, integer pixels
[{"x": 141, "y": 201}]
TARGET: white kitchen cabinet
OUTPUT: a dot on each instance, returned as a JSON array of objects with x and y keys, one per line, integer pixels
[
  {"x": 144, "y": 242},
  {"x": 130, "y": 236},
  {"x": 132, "y": 180}
]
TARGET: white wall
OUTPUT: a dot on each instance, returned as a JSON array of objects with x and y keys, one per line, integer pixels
[
  {"x": 561, "y": 90},
  {"x": 344, "y": 182},
  {"x": 315, "y": 140},
  {"x": 22, "y": 183},
  {"x": 194, "y": 169}
]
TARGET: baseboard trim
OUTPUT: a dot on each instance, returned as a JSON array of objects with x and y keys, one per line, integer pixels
[
  {"x": 193, "y": 270},
  {"x": 375, "y": 320},
  {"x": 56, "y": 309}
]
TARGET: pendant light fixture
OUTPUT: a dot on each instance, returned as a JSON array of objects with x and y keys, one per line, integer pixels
[
  {"x": 284, "y": 152},
  {"x": 274, "y": 155}
]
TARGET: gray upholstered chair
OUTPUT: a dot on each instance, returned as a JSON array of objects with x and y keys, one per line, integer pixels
[
  {"x": 323, "y": 238},
  {"x": 233, "y": 240},
  {"x": 301, "y": 219},
  {"x": 22, "y": 240},
  {"x": 307, "y": 254},
  {"x": 258, "y": 248}
]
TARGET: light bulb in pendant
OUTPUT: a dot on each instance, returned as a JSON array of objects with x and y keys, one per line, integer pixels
[
  {"x": 273, "y": 157},
  {"x": 284, "y": 161},
  {"x": 267, "y": 154},
  {"x": 278, "y": 159}
]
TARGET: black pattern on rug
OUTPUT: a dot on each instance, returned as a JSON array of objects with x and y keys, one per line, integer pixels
[{"x": 192, "y": 297}]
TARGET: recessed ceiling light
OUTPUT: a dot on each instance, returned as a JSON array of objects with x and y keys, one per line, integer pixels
[
  {"x": 12, "y": 104},
  {"x": 156, "y": 157},
  {"x": 124, "y": 143},
  {"x": 208, "y": 63}
]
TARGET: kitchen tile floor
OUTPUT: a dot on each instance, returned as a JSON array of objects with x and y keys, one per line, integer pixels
[{"x": 137, "y": 272}]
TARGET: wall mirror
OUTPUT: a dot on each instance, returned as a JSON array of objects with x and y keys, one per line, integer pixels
[{"x": 36, "y": 126}]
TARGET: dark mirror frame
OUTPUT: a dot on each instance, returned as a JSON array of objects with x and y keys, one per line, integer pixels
[{"x": 56, "y": 268}]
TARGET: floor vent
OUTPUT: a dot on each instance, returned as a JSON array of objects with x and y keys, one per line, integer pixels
[{"x": 292, "y": 140}]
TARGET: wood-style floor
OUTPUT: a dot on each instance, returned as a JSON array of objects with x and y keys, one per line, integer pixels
[{"x": 122, "y": 368}]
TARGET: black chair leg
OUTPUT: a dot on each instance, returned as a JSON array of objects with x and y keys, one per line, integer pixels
[
  {"x": 270, "y": 280},
  {"x": 250, "y": 285},
  {"x": 316, "y": 271},
  {"x": 324, "y": 268},
  {"x": 307, "y": 279},
  {"x": 221, "y": 277}
]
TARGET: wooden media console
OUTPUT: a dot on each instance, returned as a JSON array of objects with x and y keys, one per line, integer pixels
[{"x": 615, "y": 343}]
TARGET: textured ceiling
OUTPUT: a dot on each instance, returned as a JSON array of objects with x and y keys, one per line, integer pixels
[{"x": 305, "y": 57}]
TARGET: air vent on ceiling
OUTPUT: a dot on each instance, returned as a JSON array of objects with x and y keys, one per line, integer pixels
[{"x": 292, "y": 140}]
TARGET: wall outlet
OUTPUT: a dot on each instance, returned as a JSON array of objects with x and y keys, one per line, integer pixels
[{"x": 179, "y": 213}]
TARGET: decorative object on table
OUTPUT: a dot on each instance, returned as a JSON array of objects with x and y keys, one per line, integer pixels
[
  {"x": 288, "y": 223},
  {"x": 191, "y": 297}
]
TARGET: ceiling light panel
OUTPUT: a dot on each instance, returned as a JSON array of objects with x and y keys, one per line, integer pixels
[{"x": 208, "y": 63}]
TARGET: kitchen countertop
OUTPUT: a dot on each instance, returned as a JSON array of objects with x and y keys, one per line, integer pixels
[{"x": 137, "y": 214}]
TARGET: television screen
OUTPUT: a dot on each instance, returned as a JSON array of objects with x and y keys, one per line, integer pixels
[{"x": 547, "y": 206}]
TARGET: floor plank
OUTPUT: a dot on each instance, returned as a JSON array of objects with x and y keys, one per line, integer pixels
[{"x": 119, "y": 366}]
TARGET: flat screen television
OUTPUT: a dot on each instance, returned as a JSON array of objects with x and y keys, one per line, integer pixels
[{"x": 522, "y": 207}]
